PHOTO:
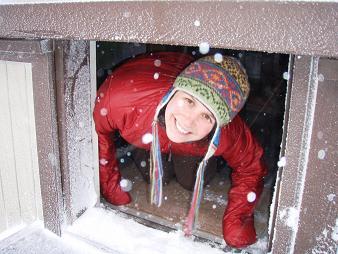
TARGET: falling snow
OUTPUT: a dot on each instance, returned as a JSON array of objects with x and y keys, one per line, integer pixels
[
  {"x": 281, "y": 162},
  {"x": 157, "y": 62},
  {"x": 320, "y": 77},
  {"x": 321, "y": 154},
  {"x": 147, "y": 138},
  {"x": 197, "y": 23},
  {"x": 251, "y": 197},
  {"x": 156, "y": 75},
  {"x": 218, "y": 57},
  {"x": 204, "y": 48},
  {"x": 103, "y": 162},
  {"x": 126, "y": 185},
  {"x": 103, "y": 111},
  {"x": 331, "y": 197},
  {"x": 320, "y": 134},
  {"x": 286, "y": 76}
]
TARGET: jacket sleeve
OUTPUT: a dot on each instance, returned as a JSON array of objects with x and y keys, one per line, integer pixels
[
  {"x": 108, "y": 169},
  {"x": 244, "y": 156},
  {"x": 105, "y": 128}
]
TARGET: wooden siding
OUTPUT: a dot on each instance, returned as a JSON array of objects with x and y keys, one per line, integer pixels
[{"x": 20, "y": 195}]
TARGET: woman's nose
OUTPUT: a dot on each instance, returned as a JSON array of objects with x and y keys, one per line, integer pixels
[{"x": 190, "y": 119}]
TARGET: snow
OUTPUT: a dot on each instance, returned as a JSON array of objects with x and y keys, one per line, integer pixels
[
  {"x": 281, "y": 162},
  {"x": 147, "y": 138},
  {"x": 126, "y": 185},
  {"x": 100, "y": 230},
  {"x": 123, "y": 235},
  {"x": 212, "y": 197},
  {"x": 331, "y": 197},
  {"x": 11, "y": 231},
  {"x": 156, "y": 75},
  {"x": 320, "y": 134},
  {"x": 286, "y": 76},
  {"x": 34, "y": 239},
  {"x": 320, "y": 77},
  {"x": 334, "y": 234},
  {"x": 251, "y": 197},
  {"x": 204, "y": 48},
  {"x": 321, "y": 154},
  {"x": 157, "y": 62},
  {"x": 197, "y": 23},
  {"x": 218, "y": 57},
  {"x": 103, "y": 162},
  {"x": 103, "y": 111}
]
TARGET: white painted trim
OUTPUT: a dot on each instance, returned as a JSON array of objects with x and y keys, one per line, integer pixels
[{"x": 92, "y": 63}]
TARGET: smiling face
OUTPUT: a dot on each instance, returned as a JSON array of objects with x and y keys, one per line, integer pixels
[{"x": 187, "y": 119}]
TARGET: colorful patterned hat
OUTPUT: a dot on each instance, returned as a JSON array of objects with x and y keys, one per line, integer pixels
[{"x": 223, "y": 87}]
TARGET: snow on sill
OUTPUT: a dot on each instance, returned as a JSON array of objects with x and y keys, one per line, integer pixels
[
  {"x": 112, "y": 232},
  {"x": 12, "y": 231}
]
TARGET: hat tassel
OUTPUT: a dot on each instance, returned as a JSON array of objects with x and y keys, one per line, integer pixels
[
  {"x": 156, "y": 169},
  {"x": 196, "y": 200}
]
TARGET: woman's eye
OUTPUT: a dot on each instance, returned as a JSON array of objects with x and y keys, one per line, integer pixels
[
  {"x": 188, "y": 100},
  {"x": 207, "y": 117}
]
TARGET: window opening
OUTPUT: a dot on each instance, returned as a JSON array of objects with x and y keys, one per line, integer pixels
[{"x": 263, "y": 113}]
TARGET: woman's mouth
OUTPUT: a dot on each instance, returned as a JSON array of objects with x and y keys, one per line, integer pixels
[{"x": 180, "y": 128}]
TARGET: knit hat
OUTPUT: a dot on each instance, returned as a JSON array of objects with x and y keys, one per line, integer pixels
[{"x": 222, "y": 87}]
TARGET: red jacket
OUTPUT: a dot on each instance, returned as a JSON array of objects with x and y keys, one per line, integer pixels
[{"x": 127, "y": 102}]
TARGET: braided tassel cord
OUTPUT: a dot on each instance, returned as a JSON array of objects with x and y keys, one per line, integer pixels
[
  {"x": 196, "y": 200},
  {"x": 156, "y": 169},
  {"x": 198, "y": 189}
]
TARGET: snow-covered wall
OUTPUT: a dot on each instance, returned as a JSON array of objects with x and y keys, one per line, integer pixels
[
  {"x": 318, "y": 209},
  {"x": 272, "y": 26},
  {"x": 79, "y": 1},
  {"x": 307, "y": 211},
  {"x": 75, "y": 102}
]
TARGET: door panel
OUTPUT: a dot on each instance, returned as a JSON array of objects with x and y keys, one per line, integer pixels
[{"x": 19, "y": 170}]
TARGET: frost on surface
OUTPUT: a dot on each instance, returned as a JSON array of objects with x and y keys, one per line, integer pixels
[
  {"x": 79, "y": 128},
  {"x": 334, "y": 234},
  {"x": 290, "y": 217},
  {"x": 212, "y": 197},
  {"x": 326, "y": 241}
]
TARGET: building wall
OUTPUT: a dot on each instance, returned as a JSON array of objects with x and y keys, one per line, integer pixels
[
  {"x": 319, "y": 213},
  {"x": 299, "y": 28}
]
